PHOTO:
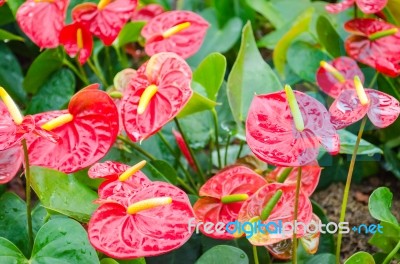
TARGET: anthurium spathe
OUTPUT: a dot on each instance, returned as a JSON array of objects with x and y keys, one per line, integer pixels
[
  {"x": 253, "y": 209},
  {"x": 77, "y": 41},
  {"x": 181, "y": 32},
  {"x": 87, "y": 130},
  {"x": 106, "y": 19},
  {"x": 366, "y": 6},
  {"x": 222, "y": 196},
  {"x": 352, "y": 105},
  {"x": 157, "y": 94},
  {"x": 375, "y": 43},
  {"x": 274, "y": 137},
  {"x": 147, "y": 12},
  {"x": 184, "y": 148},
  {"x": 42, "y": 20},
  {"x": 337, "y": 75},
  {"x": 10, "y": 163},
  {"x": 151, "y": 222}
]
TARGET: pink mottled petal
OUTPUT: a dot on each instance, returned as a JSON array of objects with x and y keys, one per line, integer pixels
[
  {"x": 10, "y": 163},
  {"x": 339, "y": 7},
  {"x": 371, "y": 6},
  {"x": 384, "y": 108},
  {"x": 147, "y": 12}
]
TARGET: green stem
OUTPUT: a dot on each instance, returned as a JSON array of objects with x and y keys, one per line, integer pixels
[
  {"x": 355, "y": 11},
  {"x": 97, "y": 73},
  {"x": 255, "y": 255},
  {"x": 108, "y": 62},
  {"x": 196, "y": 163},
  {"x": 296, "y": 208},
  {"x": 392, "y": 86},
  {"x": 28, "y": 193},
  {"x": 226, "y": 149},
  {"x": 373, "y": 81},
  {"x": 391, "y": 254},
  {"x": 75, "y": 70},
  {"x": 171, "y": 150},
  {"x": 347, "y": 188},
  {"x": 186, "y": 186},
  {"x": 136, "y": 147},
  {"x": 216, "y": 125},
  {"x": 240, "y": 149},
  {"x": 82, "y": 71}
]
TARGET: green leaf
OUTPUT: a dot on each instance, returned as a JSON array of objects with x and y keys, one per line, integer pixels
[
  {"x": 5, "y": 35},
  {"x": 197, "y": 102},
  {"x": 325, "y": 258},
  {"x": 108, "y": 261},
  {"x": 348, "y": 140},
  {"x": 304, "y": 59},
  {"x": 63, "y": 241},
  {"x": 130, "y": 33},
  {"x": 387, "y": 240},
  {"x": 63, "y": 193},
  {"x": 130, "y": 261},
  {"x": 14, "y": 5},
  {"x": 394, "y": 7},
  {"x": 9, "y": 253},
  {"x": 163, "y": 170},
  {"x": 11, "y": 74},
  {"x": 380, "y": 203},
  {"x": 328, "y": 37},
  {"x": 210, "y": 74},
  {"x": 42, "y": 68},
  {"x": 54, "y": 94},
  {"x": 300, "y": 26},
  {"x": 230, "y": 255},
  {"x": 250, "y": 75},
  {"x": 360, "y": 257}
]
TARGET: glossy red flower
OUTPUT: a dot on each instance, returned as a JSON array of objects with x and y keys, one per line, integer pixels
[
  {"x": 181, "y": 32},
  {"x": 337, "y": 75},
  {"x": 184, "y": 149},
  {"x": 42, "y": 20},
  {"x": 283, "y": 212},
  {"x": 147, "y": 12},
  {"x": 160, "y": 90},
  {"x": 375, "y": 43},
  {"x": 273, "y": 137},
  {"x": 382, "y": 109},
  {"x": 366, "y": 6},
  {"x": 10, "y": 163},
  {"x": 106, "y": 19},
  {"x": 222, "y": 196},
  {"x": 310, "y": 174},
  {"x": 77, "y": 41},
  {"x": 87, "y": 130},
  {"x": 153, "y": 221}
]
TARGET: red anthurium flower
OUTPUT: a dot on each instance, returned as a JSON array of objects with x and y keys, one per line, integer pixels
[
  {"x": 366, "y": 6},
  {"x": 309, "y": 176},
  {"x": 121, "y": 180},
  {"x": 77, "y": 41},
  {"x": 151, "y": 222},
  {"x": 252, "y": 211},
  {"x": 10, "y": 163},
  {"x": 42, "y": 20},
  {"x": 272, "y": 133},
  {"x": 352, "y": 105},
  {"x": 375, "y": 43},
  {"x": 184, "y": 149},
  {"x": 87, "y": 130},
  {"x": 222, "y": 196},
  {"x": 181, "y": 32},
  {"x": 335, "y": 76},
  {"x": 106, "y": 19},
  {"x": 160, "y": 90},
  {"x": 147, "y": 12}
]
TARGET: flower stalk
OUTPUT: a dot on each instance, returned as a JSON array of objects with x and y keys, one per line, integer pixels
[{"x": 296, "y": 209}]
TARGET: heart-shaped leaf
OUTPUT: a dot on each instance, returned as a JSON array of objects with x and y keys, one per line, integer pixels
[{"x": 231, "y": 255}]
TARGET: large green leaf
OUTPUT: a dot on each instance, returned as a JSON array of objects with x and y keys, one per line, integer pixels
[
  {"x": 230, "y": 255},
  {"x": 14, "y": 5},
  {"x": 129, "y": 261},
  {"x": 360, "y": 257},
  {"x": 348, "y": 140},
  {"x": 301, "y": 25},
  {"x": 210, "y": 74},
  {"x": 328, "y": 37},
  {"x": 9, "y": 253},
  {"x": 129, "y": 33},
  {"x": 11, "y": 74},
  {"x": 250, "y": 75},
  {"x": 380, "y": 204},
  {"x": 63, "y": 193},
  {"x": 304, "y": 59},
  {"x": 63, "y": 241},
  {"x": 42, "y": 68},
  {"x": 54, "y": 94},
  {"x": 197, "y": 102},
  {"x": 162, "y": 171},
  {"x": 387, "y": 240}
]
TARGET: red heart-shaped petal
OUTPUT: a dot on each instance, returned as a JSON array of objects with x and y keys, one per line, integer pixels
[
  {"x": 184, "y": 43},
  {"x": 273, "y": 138},
  {"x": 42, "y": 21},
  {"x": 172, "y": 75},
  {"x": 106, "y": 22},
  {"x": 147, "y": 12},
  {"x": 84, "y": 140},
  {"x": 147, "y": 233},
  {"x": 384, "y": 109},
  {"x": 10, "y": 163}
]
